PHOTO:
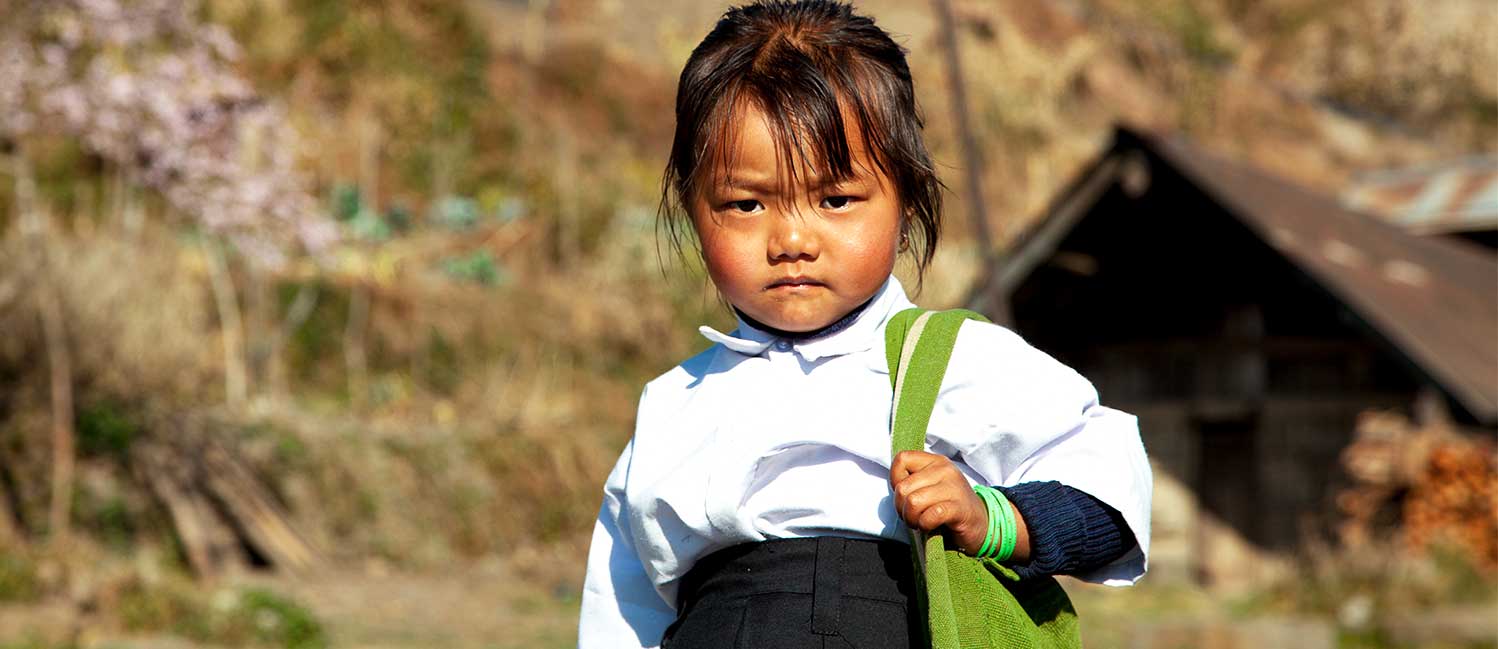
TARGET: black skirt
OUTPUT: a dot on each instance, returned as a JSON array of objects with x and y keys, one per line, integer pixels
[{"x": 817, "y": 593}]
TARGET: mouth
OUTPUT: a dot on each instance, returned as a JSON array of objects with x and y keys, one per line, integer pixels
[{"x": 792, "y": 283}]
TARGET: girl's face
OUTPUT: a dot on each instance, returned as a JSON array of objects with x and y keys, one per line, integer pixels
[{"x": 796, "y": 256}]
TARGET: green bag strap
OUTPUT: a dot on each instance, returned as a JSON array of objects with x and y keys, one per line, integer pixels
[
  {"x": 970, "y": 604},
  {"x": 918, "y": 344}
]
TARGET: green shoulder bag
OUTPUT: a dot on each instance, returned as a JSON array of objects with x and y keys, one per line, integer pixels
[{"x": 969, "y": 603}]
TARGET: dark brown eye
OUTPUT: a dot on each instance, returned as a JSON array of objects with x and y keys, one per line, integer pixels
[
  {"x": 745, "y": 205},
  {"x": 837, "y": 202}
]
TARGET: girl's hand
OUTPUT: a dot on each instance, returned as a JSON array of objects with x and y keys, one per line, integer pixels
[{"x": 933, "y": 496}]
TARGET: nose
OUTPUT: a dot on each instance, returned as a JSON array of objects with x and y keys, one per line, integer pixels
[{"x": 792, "y": 238}]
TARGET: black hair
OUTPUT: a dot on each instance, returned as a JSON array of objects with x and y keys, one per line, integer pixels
[{"x": 803, "y": 63}]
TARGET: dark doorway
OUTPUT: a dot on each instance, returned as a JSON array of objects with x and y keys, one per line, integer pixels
[{"x": 1227, "y": 472}]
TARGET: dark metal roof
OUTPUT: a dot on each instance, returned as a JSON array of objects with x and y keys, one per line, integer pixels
[{"x": 1433, "y": 300}]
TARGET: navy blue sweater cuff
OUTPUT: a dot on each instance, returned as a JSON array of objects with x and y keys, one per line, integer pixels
[{"x": 1070, "y": 531}]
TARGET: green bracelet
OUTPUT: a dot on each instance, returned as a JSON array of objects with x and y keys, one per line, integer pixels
[
  {"x": 1003, "y": 529},
  {"x": 995, "y": 523},
  {"x": 1008, "y": 530},
  {"x": 988, "y": 534}
]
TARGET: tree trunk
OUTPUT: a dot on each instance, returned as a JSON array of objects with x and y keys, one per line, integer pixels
[
  {"x": 569, "y": 228},
  {"x": 59, "y": 361},
  {"x": 134, "y": 207},
  {"x": 11, "y": 534},
  {"x": 972, "y": 157},
  {"x": 533, "y": 38},
  {"x": 227, "y": 303},
  {"x": 301, "y": 308},
  {"x": 59, "y": 366},
  {"x": 353, "y": 345}
]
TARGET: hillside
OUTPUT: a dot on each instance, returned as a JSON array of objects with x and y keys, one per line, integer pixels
[{"x": 448, "y": 384}]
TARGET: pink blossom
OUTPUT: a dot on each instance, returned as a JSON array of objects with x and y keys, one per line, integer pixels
[{"x": 158, "y": 97}]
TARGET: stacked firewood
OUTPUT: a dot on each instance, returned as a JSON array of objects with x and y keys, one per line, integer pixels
[
  {"x": 1456, "y": 501},
  {"x": 222, "y": 513},
  {"x": 1435, "y": 485}
]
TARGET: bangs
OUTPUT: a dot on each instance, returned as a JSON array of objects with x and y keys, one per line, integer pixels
[{"x": 808, "y": 119}]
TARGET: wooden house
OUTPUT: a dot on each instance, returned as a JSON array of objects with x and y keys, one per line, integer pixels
[{"x": 1247, "y": 321}]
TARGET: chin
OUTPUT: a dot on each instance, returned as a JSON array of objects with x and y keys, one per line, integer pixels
[{"x": 799, "y": 324}]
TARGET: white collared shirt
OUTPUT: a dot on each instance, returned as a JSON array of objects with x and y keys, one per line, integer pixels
[{"x": 761, "y": 438}]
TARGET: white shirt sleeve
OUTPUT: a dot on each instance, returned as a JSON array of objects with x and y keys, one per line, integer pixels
[
  {"x": 620, "y": 605},
  {"x": 1015, "y": 414}
]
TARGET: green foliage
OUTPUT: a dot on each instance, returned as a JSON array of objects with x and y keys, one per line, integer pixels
[
  {"x": 1378, "y": 639},
  {"x": 1362, "y": 639},
  {"x": 370, "y": 226},
  {"x": 105, "y": 430},
  {"x": 1483, "y": 112},
  {"x": 456, "y": 212},
  {"x": 346, "y": 202},
  {"x": 443, "y": 367},
  {"x": 1196, "y": 32},
  {"x": 318, "y": 337},
  {"x": 58, "y": 163},
  {"x": 398, "y": 218},
  {"x": 420, "y": 66},
  {"x": 1458, "y": 579},
  {"x": 35, "y": 642},
  {"x": 479, "y": 267},
  {"x": 106, "y": 516},
  {"x": 504, "y": 206},
  {"x": 289, "y": 450},
  {"x": 347, "y": 205},
  {"x": 155, "y": 608},
  {"x": 18, "y": 579},
  {"x": 245, "y": 617},
  {"x": 264, "y": 617}
]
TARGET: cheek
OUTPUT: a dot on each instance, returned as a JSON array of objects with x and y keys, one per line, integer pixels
[
  {"x": 875, "y": 247},
  {"x": 875, "y": 266},
  {"x": 873, "y": 259},
  {"x": 729, "y": 258}
]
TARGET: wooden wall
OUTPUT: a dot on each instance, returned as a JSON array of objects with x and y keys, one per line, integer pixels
[{"x": 1247, "y": 377}]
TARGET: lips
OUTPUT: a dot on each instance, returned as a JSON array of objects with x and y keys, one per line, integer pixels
[{"x": 793, "y": 282}]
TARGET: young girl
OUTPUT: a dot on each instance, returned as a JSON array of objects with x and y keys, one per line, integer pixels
[{"x": 757, "y": 504}]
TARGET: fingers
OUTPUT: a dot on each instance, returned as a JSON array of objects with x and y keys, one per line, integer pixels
[
  {"x": 916, "y": 481},
  {"x": 908, "y": 462},
  {"x": 913, "y": 471},
  {"x": 938, "y": 514},
  {"x": 930, "y": 507}
]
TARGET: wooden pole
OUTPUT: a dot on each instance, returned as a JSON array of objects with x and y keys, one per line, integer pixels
[
  {"x": 60, "y": 367},
  {"x": 59, "y": 361},
  {"x": 272, "y": 353},
  {"x": 972, "y": 156},
  {"x": 10, "y": 535},
  {"x": 226, "y": 300},
  {"x": 354, "y": 357}
]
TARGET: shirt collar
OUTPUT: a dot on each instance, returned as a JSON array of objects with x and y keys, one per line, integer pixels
[{"x": 862, "y": 335}]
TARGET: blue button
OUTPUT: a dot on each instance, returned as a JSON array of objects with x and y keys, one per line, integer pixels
[{"x": 784, "y": 345}]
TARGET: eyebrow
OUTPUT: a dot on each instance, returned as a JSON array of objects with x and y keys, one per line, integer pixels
[{"x": 768, "y": 186}]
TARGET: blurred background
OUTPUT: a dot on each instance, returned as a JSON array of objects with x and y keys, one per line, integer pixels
[{"x": 322, "y": 322}]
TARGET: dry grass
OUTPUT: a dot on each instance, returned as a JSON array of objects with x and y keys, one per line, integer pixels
[{"x": 488, "y": 415}]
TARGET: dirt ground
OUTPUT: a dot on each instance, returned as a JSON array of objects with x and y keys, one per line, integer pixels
[
  {"x": 491, "y": 605},
  {"x": 478, "y": 607}
]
